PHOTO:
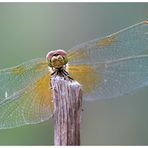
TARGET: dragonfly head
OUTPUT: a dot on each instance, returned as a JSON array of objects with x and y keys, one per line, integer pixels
[{"x": 57, "y": 58}]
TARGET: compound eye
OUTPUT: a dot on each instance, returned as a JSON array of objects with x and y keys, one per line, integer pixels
[
  {"x": 61, "y": 52},
  {"x": 55, "y": 57},
  {"x": 50, "y": 55}
]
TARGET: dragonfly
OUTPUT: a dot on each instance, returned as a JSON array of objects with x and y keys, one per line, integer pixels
[{"x": 106, "y": 68}]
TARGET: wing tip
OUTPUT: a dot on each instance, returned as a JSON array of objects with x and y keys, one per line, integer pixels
[{"x": 146, "y": 22}]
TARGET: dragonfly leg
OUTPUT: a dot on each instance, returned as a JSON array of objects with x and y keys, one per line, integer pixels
[
  {"x": 67, "y": 74},
  {"x": 53, "y": 73},
  {"x": 61, "y": 72}
]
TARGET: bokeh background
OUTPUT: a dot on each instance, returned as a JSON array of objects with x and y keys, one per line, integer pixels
[{"x": 30, "y": 30}]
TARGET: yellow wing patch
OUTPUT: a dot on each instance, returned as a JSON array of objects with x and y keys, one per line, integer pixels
[
  {"x": 106, "y": 41},
  {"x": 85, "y": 75},
  {"x": 77, "y": 54},
  {"x": 19, "y": 70},
  {"x": 37, "y": 67},
  {"x": 43, "y": 92}
]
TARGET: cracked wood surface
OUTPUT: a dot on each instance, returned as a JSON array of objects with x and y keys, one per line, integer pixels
[{"x": 67, "y": 99}]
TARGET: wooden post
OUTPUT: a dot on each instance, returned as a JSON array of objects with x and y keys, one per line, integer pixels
[{"x": 67, "y": 97}]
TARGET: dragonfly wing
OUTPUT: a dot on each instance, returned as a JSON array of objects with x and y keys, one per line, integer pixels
[
  {"x": 113, "y": 65},
  {"x": 28, "y": 99},
  {"x": 17, "y": 78},
  {"x": 114, "y": 78},
  {"x": 127, "y": 42}
]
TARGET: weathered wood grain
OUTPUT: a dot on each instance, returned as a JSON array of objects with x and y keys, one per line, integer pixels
[{"x": 67, "y": 98}]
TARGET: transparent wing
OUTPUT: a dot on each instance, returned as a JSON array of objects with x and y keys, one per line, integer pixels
[
  {"x": 127, "y": 42},
  {"x": 113, "y": 78},
  {"x": 25, "y": 95},
  {"x": 112, "y": 66},
  {"x": 16, "y": 78}
]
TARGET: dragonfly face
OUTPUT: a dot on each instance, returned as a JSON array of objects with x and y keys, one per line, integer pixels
[
  {"x": 57, "y": 61},
  {"x": 57, "y": 58},
  {"x": 106, "y": 68}
]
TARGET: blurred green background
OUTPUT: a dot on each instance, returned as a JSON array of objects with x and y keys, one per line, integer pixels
[{"x": 30, "y": 30}]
